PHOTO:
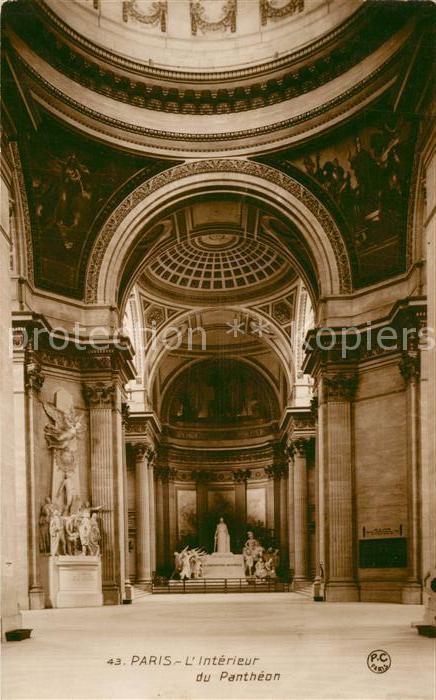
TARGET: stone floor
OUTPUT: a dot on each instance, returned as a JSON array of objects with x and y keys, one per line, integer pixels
[{"x": 319, "y": 650}]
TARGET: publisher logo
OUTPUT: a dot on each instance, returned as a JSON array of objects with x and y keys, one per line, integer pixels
[{"x": 378, "y": 661}]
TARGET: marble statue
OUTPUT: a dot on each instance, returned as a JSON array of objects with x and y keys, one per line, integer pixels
[
  {"x": 222, "y": 538},
  {"x": 186, "y": 565},
  {"x": 74, "y": 531},
  {"x": 189, "y": 563},
  {"x": 71, "y": 534},
  {"x": 249, "y": 554},
  {"x": 94, "y": 536},
  {"x": 45, "y": 516},
  {"x": 57, "y": 534}
]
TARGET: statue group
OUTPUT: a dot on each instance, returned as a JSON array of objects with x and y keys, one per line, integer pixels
[
  {"x": 189, "y": 563},
  {"x": 258, "y": 562},
  {"x": 69, "y": 531}
]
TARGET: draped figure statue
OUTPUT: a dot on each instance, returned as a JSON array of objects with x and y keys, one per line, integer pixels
[{"x": 222, "y": 538}]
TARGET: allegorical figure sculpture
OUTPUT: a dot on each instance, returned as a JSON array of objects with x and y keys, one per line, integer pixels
[
  {"x": 249, "y": 554},
  {"x": 72, "y": 532},
  {"x": 222, "y": 538},
  {"x": 57, "y": 534},
  {"x": 45, "y": 516}
]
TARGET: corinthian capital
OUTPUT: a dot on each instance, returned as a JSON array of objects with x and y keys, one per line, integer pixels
[
  {"x": 34, "y": 377},
  {"x": 99, "y": 395},
  {"x": 410, "y": 366},
  {"x": 340, "y": 387},
  {"x": 144, "y": 450}
]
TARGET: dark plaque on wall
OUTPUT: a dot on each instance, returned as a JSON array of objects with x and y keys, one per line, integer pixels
[{"x": 386, "y": 553}]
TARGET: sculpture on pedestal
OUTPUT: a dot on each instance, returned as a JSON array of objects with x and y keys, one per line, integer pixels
[
  {"x": 257, "y": 562},
  {"x": 61, "y": 435},
  {"x": 222, "y": 538}
]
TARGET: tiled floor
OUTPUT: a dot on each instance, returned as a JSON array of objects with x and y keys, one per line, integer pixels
[{"x": 309, "y": 650}]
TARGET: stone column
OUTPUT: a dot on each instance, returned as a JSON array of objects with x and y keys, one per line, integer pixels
[
  {"x": 337, "y": 394},
  {"x": 161, "y": 474},
  {"x": 300, "y": 513},
  {"x": 128, "y": 588},
  {"x": 289, "y": 451},
  {"x": 100, "y": 397},
  {"x": 240, "y": 476},
  {"x": 10, "y": 614},
  {"x": 152, "y": 512},
  {"x": 33, "y": 384},
  {"x": 410, "y": 370},
  {"x": 144, "y": 452}
]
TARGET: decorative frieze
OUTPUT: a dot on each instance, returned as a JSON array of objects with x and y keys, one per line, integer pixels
[
  {"x": 199, "y": 21},
  {"x": 268, "y": 10}
]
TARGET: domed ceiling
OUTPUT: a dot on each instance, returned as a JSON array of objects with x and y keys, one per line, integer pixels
[
  {"x": 217, "y": 261},
  {"x": 217, "y": 251}
]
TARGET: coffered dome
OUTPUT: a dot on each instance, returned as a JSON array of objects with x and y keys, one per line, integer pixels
[
  {"x": 216, "y": 249},
  {"x": 218, "y": 261}
]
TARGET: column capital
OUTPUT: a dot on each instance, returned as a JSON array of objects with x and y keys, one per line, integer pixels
[
  {"x": 165, "y": 473},
  {"x": 144, "y": 450},
  {"x": 298, "y": 446},
  {"x": 410, "y": 366},
  {"x": 125, "y": 412},
  {"x": 276, "y": 471},
  {"x": 241, "y": 475},
  {"x": 99, "y": 394},
  {"x": 340, "y": 386},
  {"x": 34, "y": 377}
]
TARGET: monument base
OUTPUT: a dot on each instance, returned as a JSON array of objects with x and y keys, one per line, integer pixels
[
  {"x": 73, "y": 581},
  {"x": 223, "y": 565}
]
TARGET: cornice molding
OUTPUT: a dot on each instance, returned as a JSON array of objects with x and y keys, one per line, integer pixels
[{"x": 211, "y": 138}]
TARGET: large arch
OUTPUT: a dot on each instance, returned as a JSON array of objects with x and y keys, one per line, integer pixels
[{"x": 263, "y": 182}]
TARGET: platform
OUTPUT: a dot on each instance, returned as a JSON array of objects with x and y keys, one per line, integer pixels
[{"x": 225, "y": 566}]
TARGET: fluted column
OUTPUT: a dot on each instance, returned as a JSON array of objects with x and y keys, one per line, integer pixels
[
  {"x": 152, "y": 512},
  {"x": 128, "y": 588},
  {"x": 410, "y": 367},
  {"x": 338, "y": 392},
  {"x": 34, "y": 380},
  {"x": 100, "y": 397},
  {"x": 300, "y": 512},
  {"x": 144, "y": 452},
  {"x": 289, "y": 451}
]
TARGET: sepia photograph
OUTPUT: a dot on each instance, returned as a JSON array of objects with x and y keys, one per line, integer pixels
[{"x": 217, "y": 350}]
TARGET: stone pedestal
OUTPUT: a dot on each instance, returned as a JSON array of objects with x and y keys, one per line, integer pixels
[
  {"x": 225, "y": 565},
  {"x": 73, "y": 581}
]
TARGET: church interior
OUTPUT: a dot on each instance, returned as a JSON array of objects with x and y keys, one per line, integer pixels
[{"x": 218, "y": 274}]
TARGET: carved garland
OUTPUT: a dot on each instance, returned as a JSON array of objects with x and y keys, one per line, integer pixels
[
  {"x": 268, "y": 11},
  {"x": 157, "y": 15},
  {"x": 199, "y": 22},
  {"x": 209, "y": 166}
]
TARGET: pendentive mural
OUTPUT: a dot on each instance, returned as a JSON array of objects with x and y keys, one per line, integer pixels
[
  {"x": 363, "y": 173},
  {"x": 72, "y": 183}
]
